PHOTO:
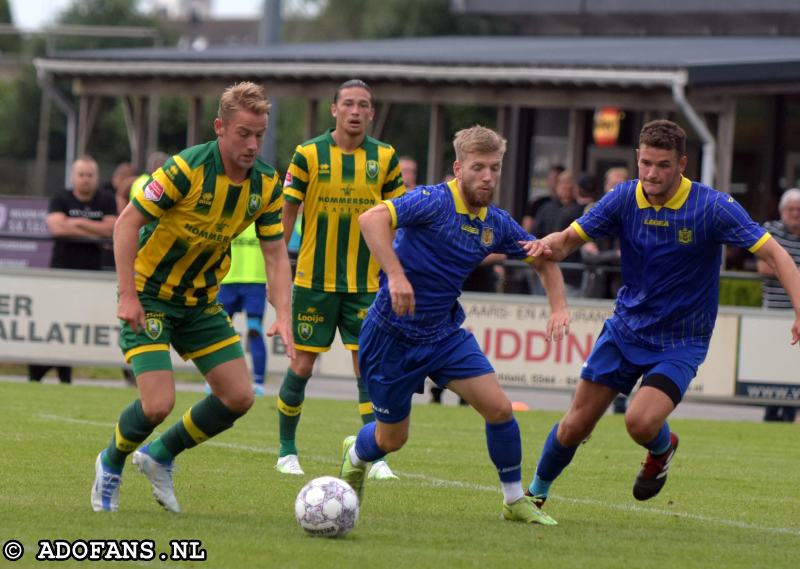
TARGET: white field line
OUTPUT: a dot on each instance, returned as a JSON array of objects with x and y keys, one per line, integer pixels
[{"x": 441, "y": 482}]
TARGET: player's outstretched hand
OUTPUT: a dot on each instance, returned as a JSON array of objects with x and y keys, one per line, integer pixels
[
  {"x": 131, "y": 311},
  {"x": 558, "y": 325},
  {"x": 796, "y": 331},
  {"x": 537, "y": 248},
  {"x": 402, "y": 293},
  {"x": 284, "y": 330}
]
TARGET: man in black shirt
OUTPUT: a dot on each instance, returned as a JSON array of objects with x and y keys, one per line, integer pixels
[{"x": 78, "y": 218}]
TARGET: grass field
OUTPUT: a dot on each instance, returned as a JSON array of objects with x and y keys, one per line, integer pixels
[{"x": 732, "y": 499}]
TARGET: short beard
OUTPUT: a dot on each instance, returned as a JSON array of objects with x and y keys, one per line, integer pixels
[{"x": 473, "y": 199}]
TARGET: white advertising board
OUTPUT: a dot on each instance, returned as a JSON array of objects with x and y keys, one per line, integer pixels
[{"x": 68, "y": 317}]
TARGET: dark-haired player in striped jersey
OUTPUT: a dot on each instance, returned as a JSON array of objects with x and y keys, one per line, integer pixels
[
  {"x": 671, "y": 232},
  {"x": 336, "y": 176},
  {"x": 413, "y": 330},
  {"x": 172, "y": 248}
]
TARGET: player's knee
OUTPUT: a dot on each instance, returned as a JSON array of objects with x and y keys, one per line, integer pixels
[
  {"x": 240, "y": 402},
  {"x": 572, "y": 430},
  {"x": 157, "y": 410},
  {"x": 303, "y": 368},
  {"x": 640, "y": 429},
  {"x": 498, "y": 411},
  {"x": 391, "y": 442}
]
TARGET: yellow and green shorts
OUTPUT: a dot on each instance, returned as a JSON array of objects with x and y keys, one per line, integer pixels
[
  {"x": 203, "y": 334},
  {"x": 317, "y": 314}
]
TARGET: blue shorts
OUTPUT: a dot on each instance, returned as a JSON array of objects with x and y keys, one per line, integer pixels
[
  {"x": 394, "y": 370},
  {"x": 619, "y": 364},
  {"x": 252, "y": 297}
]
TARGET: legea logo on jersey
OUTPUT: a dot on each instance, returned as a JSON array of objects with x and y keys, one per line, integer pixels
[
  {"x": 487, "y": 236},
  {"x": 324, "y": 169},
  {"x": 172, "y": 171},
  {"x": 362, "y": 313},
  {"x": 153, "y": 191},
  {"x": 153, "y": 328},
  {"x": 372, "y": 168},
  {"x": 253, "y": 204},
  {"x": 684, "y": 236}
]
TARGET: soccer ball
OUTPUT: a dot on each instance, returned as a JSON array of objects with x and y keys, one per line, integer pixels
[{"x": 326, "y": 507}]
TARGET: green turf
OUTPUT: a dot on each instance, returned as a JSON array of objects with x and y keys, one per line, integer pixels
[{"x": 731, "y": 501}]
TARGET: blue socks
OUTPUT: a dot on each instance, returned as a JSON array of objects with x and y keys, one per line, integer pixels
[
  {"x": 258, "y": 351},
  {"x": 555, "y": 458},
  {"x": 660, "y": 444},
  {"x": 505, "y": 449},
  {"x": 367, "y": 447}
]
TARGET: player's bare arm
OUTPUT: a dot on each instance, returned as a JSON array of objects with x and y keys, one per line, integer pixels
[
  {"x": 126, "y": 244},
  {"x": 553, "y": 281},
  {"x": 782, "y": 266},
  {"x": 376, "y": 227},
  {"x": 555, "y": 246},
  {"x": 279, "y": 275},
  {"x": 288, "y": 217}
]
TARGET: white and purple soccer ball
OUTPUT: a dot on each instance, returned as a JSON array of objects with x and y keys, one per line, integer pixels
[{"x": 326, "y": 507}]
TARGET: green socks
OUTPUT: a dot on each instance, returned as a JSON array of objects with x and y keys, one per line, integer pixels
[
  {"x": 204, "y": 420},
  {"x": 290, "y": 405},
  {"x": 132, "y": 429},
  {"x": 364, "y": 403}
]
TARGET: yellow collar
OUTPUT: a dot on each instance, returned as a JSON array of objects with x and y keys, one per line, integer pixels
[
  {"x": 675, "y": 202},
  {"x": 461, "y": 207}
]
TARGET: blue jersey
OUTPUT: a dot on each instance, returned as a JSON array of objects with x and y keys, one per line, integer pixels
[
  {"x": 439, "y": 243},
  {"x": 671, "y": 258}
]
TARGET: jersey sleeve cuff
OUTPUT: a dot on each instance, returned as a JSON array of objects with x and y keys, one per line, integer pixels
[
  {"x": 392, "y": 212},
  {"x": 579, "y": 230},
  {"x": 142, "y": 210},
  {"x": 760, "y": 243}
]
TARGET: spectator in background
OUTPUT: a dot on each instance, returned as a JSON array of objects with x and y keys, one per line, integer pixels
[
  {"x": 120, "y": 184},
  {"x": 786, "y": 231},
  {"x": 600, "y": 255},
  {"x": 126, "y": 191},
  {"x": 78, "y": 218},
  {"x": 408, "y": 171},
  {"x": 585, "y": 192},
  {"x": 532, "y": 209}
]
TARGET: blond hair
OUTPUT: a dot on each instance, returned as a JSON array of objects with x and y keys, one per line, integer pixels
[
  {"x": 477, "y": 139},
  {"x": 244, "y": 96}
]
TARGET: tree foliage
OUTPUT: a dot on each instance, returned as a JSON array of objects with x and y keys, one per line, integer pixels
[{"x": 408, "y": 125}]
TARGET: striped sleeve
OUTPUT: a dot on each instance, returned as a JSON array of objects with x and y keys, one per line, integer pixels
[
  {"x": 512, "y": 234},
  {"x": 393, "y": 186},
  {"x": 297, "y": 177},
  {"x": 166, "y": 187},
  {"x": 268, "y": 224},
  {"x": 418, "y": 207},
  {"x": 734, "y": 226}
]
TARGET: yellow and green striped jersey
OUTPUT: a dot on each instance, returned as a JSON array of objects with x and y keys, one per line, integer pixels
[
  {"x": 247, "y": 259},
  {"x": 195, "y": 211},
  {"x": 336, "y": 187}
]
